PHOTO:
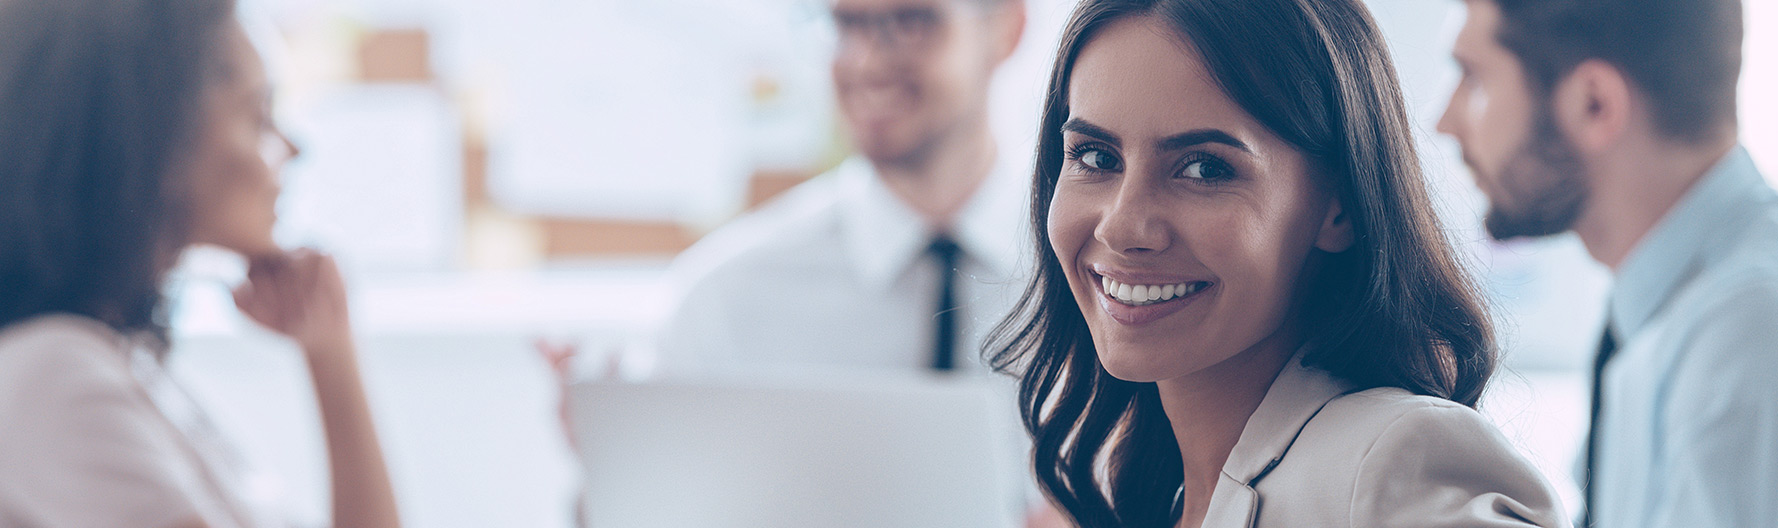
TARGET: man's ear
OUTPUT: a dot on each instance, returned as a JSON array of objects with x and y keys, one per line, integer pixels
[
  {"x": 1336, "y": 229},
  {"x": 1593, "y": 105},
  {"x": 1009, "y": 28}
]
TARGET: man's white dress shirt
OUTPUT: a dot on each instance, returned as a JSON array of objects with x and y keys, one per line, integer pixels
[{"x": 836, "y": 274}]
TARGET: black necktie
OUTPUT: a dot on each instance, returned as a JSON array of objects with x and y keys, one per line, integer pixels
[
  {"x": 944, "y": 327},
  {"x": 1607, "y": 347}
]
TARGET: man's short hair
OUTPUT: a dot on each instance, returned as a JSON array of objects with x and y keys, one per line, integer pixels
[{"x": 1683, "y": 55}]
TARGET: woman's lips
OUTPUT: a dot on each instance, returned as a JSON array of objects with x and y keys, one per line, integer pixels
[{"x": 1137, "y": 304}]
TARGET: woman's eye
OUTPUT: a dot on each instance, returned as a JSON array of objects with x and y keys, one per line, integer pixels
[
  {"x": 1099, "y": 160},
  {"x": 1206, "y": 170}
]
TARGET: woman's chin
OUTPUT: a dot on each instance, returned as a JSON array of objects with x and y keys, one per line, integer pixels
[
  {"x": 1132, "y": 369},
  {"x": 267, "y": 250},
  {"x": 252, "y": 250}
]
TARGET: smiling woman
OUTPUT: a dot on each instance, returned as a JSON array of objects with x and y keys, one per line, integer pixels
[{"x": 1245, "y": 312}]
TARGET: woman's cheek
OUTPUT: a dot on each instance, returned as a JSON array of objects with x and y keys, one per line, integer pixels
[{"x": 1070, "y": 225}]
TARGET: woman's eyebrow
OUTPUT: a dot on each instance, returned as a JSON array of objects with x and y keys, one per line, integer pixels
[
  {"x": 1081, "y": 126},
  {"x": 1198, "y": 137},
  {"x": 1174, "y": 142}
]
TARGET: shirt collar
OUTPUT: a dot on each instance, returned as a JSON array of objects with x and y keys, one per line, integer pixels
[
  {"x": 1297, "y": 395},
  {"x": 1700, "y": 228},
  {"x": 884, "y": 236}
]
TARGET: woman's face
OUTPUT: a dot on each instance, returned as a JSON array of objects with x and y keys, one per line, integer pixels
[
  {"x": 235, "y": 158},
  {"x": 1181, "y": 223}
]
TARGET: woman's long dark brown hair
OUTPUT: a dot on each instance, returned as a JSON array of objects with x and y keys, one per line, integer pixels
[
  {"x": 98, "y": 100},
  {"x": 1395, "y": 310}
]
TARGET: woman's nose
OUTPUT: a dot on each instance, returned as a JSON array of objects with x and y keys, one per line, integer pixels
[{"x": 1134, "y": 223}]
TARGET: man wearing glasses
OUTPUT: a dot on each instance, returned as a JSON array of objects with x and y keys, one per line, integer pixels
[
  {"x": 903, "y": 257},
  {"x": 906, "y": 255}
]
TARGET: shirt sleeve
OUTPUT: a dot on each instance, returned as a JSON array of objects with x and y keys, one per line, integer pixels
[
  {"x": 1721, "y": 435},
  {"x": 1445, "y": 466},
  {"x": 697, "y": 332},
  {"x": 81, "y": 446}
]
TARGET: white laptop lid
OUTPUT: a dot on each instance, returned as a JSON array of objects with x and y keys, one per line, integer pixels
[{"x": 811, "y": 452}]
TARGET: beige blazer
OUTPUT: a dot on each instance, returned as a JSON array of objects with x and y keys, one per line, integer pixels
[
  {"x": 83, "y": 443},
  {"x": 1315, "y": 455}
]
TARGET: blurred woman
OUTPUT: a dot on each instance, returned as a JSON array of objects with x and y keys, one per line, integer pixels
[
  {"x": 131, "y": 130},
  {"x": 1245, "y": 312}
]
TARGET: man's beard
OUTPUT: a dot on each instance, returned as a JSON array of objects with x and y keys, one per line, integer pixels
[{"x": 1542, "y": 188}]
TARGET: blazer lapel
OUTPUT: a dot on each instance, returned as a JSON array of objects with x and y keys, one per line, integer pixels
[
  {"x": 1232, "y": 504},
  {"x": 1296, "y": 395}
]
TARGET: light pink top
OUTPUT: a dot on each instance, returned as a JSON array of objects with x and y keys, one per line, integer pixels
[{"x": 85, "y": 439}]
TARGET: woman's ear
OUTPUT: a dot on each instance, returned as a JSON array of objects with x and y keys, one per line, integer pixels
[{"x": 1336, "y": 229}]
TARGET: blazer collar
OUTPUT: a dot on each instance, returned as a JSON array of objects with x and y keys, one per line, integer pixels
[{"x": 1296, "y": 395}]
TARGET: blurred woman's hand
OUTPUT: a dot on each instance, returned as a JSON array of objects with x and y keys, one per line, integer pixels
[
  {"x": 560, "y": 357},
  {"x": 299, "y": 294}
]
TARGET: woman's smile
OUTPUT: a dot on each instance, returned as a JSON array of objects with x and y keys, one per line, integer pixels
[{"x": 1135, "y": 299}]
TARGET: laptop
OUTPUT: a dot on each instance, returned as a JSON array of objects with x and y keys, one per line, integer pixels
[{"x": 810, "y": 451}]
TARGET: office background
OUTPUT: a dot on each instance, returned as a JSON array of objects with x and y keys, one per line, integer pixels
[{"x": 491, "y": 173}]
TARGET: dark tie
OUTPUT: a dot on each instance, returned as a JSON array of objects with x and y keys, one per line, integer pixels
[
  {"x": 944, "y": 327},
  {"x": 1607, "y": 347}
]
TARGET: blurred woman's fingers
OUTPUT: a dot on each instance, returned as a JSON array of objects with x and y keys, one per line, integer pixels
[{"x": 559, "y": 356}]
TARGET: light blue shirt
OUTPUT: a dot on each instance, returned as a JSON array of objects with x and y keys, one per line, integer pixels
[{"x": 1689, "y": 415}]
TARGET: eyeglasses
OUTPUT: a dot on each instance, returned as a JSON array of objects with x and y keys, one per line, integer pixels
[{"x": 903, "y": 29}]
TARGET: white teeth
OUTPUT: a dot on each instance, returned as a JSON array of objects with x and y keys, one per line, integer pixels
[{"x": 1144, "y": 294}]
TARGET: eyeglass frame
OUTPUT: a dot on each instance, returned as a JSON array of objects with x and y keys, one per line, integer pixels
[{"x": 902, "y": 30}]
